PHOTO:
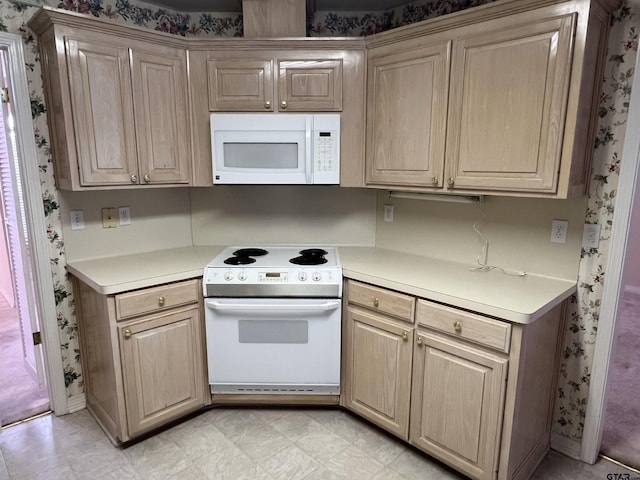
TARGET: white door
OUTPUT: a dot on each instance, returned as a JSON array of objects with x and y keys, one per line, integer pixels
[{"x": 13, "y": 209}]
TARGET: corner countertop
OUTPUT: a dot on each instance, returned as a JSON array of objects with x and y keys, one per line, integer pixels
[{"x": 517, "y": 299}]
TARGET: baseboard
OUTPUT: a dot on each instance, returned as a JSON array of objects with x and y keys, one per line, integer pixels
[
  {"x": 632, "y": 289},
  {"x": 76, "y": 403},
  {"x": 565, "y": 445}
]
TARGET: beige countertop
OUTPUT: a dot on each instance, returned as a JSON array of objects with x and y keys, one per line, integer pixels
[{"x": 517, "y": 299}]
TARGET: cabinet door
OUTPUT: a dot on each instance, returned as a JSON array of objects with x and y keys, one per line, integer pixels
[
  {"x": 378, "y": 369},
  {"x": 457, "y": 404},
  {"x": 310, "y": 85},
  {"x": 162, "y": 116},
  {"x": 507, "y": 106},
  {"x": 102, "y": 109},
  {"x": 240, "y": 85},
  {"x": 406, "y": 116},
  {"x": 162, "y": 365}
]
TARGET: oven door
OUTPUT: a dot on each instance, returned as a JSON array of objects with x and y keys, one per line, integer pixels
[{"x": 273, "y": 345}]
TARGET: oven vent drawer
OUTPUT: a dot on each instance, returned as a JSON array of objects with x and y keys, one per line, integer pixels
[{"x": 276, "y": 389}]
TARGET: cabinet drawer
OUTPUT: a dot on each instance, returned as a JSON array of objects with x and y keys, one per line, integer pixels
[
  {"x": 474, "y": 328},
  {"x": 149, "y": 300},
  {"x": 383, "y": 301}
]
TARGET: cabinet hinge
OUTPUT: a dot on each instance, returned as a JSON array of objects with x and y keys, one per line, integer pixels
[
  {"x": 37, "y": 338},
  {"x": 4, "y": 93}
]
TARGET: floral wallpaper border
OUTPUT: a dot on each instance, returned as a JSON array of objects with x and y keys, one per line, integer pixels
[{"x": 585, "y": 306}]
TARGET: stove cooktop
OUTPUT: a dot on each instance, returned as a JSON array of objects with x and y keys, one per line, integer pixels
[{"x": 274, "y": 271}]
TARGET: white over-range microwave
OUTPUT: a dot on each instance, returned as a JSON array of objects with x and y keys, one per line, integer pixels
[{"x": 275, "y": 149}]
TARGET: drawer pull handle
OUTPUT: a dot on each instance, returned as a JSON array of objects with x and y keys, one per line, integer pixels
[
  {"x": 376, "y": 302},
  {"x": 419, "y": 341},
  {"x": 267, "y": 105},
  {"x": 283, "y": 105},
  {"x": 434, "y": 180},
  {"x": 457, "y": 327},
  {"x": 134, "y": 178},
  {"x": 127, "y": 333},
  {"x": 161, "y": 301},
  {"x": 147, "y": 178},
  {"x": 451, "y": 182},
  {"x": 405, "y": 336}
]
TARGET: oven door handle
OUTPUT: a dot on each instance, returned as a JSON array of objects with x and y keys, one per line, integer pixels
[{"x": 323, "y": 307}]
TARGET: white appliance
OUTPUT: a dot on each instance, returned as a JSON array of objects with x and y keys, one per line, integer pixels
[
  {"x": 273, "y": 320},
  {"x": 275, "y": 149}
]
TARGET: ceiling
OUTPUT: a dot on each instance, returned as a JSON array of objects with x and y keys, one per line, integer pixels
[{"x": 236, "y": 5}]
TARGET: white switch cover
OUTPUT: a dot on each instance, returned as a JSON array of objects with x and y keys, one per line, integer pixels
[
  {"x": 591, "y": 235},
  {"x": 388, "y": 213},
  {"x": 125, "y": 215},
  {"x": 559, "y": 231},
  {"x": 77, "y": 219}
]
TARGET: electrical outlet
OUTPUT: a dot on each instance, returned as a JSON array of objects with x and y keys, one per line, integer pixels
[
  {"x": 125, "y": 215},
  {"x": 591, "y": 235},
  {"x": 388, "y": 213},
  {"x": 109, "y": 217},
  {"x": 77, "y": 219},
  {"x": 559, "y": 230}
]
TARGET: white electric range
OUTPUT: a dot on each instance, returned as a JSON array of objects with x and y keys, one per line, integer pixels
[{"x": 273, "y": 320}]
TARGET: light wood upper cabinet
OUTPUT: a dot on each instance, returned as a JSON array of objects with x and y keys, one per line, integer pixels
[
  {"x": 406, "y": 115},
  {"x": 240, "y": 85},
  {"x": 118, "y": 104},
  {"x": 252, "y": 84},
  {"x": 508, "y": 104},
  {"x": 162, "y": 116},
  {"x": 457, "y": 404},
  {"x": 102, "y": 107}
]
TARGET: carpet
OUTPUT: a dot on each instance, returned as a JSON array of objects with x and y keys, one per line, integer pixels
[
  {"x": 621, "y": 436},
  {"x": 20, "y": 396}
]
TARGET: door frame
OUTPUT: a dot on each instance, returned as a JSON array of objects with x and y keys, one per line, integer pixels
[
  {"x": 36, "y": 226},
  {"x": 613, "y": 287}
]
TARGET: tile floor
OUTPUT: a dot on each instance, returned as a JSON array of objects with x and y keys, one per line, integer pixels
[{"x": 238, "y": 443}]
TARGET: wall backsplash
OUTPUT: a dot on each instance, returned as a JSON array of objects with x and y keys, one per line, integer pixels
[
  {"x": 251, "y": 214},
  {"x": 518, "y": 230},
  {"x": 160, "y": 218}
]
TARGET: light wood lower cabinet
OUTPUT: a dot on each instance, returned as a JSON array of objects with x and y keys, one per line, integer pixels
[
  {"x": 142, "y": 371},
  {"x": 480, "y": 389}
]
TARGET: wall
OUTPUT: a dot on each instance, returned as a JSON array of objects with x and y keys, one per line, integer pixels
[
  {"x": 242, "y": 215},
  {"x": 160, "y": 218},
  {"x": 632, "y": 264},
  {"x": 518, "y": 230}
]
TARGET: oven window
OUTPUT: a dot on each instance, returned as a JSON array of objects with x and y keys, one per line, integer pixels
[
  {"x": 273, "y": 331},
  {"x": 261, "y": 155}
]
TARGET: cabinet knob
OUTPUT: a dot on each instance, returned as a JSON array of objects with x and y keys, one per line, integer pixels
[
  {"x": 419, "y": 340},
  {"x": 451, "y": 181},
  {"x": 134, "y": 178},
  {"x": 267, "y": 105},
  {"x": 405, "y": 336},
  {"x": 434, "y": 180},
  {"x": 161, "y": 301},
  {"x": 283, "y": 104},
  {"x": 147, "y": 178},
  {"x": 376, "y": 302},
  {"x": 127, "y": 333},
  {"x": 457, "y": 327}
]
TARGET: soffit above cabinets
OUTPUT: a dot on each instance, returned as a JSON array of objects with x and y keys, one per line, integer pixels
[{"x": 320, "y": 5}]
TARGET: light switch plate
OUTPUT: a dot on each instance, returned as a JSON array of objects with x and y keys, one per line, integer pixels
[
  {"x": 125, "y": 215},
  {"x": 591, "y": 235},
  {"x": 388, "y": 213},
  {"x": 77, "y": 219},
  {"x": 109, "y": 217}
]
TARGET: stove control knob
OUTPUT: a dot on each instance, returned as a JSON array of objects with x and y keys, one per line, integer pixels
[
  {"x": 228, "y": 276},
  {"x": 316, "y": 276},
  {"x": 302, "y": 276},
  {"x": 242, "y": 276}
]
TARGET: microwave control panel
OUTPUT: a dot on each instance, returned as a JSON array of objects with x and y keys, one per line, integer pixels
[{"x": 325, "y": 151}]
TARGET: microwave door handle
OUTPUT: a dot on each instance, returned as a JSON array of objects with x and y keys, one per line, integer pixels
[
  {"x": 270, "y": 307},
  {"x": 308, "y": 172}
]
